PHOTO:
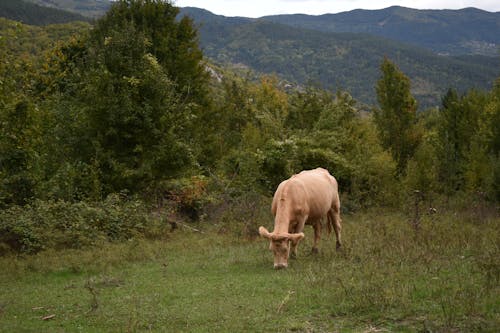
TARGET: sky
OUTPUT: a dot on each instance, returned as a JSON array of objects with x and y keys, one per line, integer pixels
[{"x": 258, "y": 8}]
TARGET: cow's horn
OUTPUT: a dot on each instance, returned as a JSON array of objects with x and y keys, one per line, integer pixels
[
  {"x": 296, "y": 237},
  {"x": 264, "y": 233}
]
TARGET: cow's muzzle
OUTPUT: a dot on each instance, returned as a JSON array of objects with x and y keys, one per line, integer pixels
[{"x": 280, "y": 266}]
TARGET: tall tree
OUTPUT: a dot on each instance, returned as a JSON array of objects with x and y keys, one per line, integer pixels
[
  {"x": 450, "y": 143},
  {"x": 17, "y": 127},
  {"x": 135, "y": 83},
  {"x": 396, "y": 116},
  {"x": 173, "y": 42}
]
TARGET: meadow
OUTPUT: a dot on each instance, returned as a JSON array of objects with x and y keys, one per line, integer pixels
[{"x": 388, "y": 277}]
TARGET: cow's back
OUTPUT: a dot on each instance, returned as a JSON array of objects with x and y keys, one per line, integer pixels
[
  {"x": 311, "y": 190},
  {"x": 322, "y": 191}
]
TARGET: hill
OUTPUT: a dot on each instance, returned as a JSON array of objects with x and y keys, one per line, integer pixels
[
  {"x": 304, "y": 50},
  {"x": 32, "y": 41},
  {"x": 347, "y": 61},
  {"x": 450, "y": 32},
  {"x": 88, "y": 8},
  {"x": 33, "y": 14}
]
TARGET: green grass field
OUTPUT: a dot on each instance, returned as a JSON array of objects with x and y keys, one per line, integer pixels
[{"x": 445, "y": 278}]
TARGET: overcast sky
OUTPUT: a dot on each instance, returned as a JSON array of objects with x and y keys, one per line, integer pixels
[{"x": 258, "y": 8}]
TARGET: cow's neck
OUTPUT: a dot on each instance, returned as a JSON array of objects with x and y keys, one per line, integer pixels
[{"x": 282, "y": 219}]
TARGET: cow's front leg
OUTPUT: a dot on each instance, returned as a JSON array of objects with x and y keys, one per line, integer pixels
[
  {"x": 296, "y": 228},
  {"x": 317, "y": 236},
  {"x": 293, "y": 250}
]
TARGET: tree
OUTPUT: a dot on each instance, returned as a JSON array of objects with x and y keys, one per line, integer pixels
[
  {"x": 134, "y": 88},
  {"x": 17, "y": 127},
  {"x": 450, "y": 150},
  {"x": 173, "y": 42},
  {"x": 464, "y": 131},
  {"x": 396, "y": 116}
]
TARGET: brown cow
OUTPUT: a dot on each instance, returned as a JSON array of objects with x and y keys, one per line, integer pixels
[{"x": 303, "y": 199}]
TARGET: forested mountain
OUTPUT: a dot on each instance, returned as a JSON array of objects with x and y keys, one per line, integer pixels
[
  {"x": 464, "y": 31},
  {"x": 347, "y": 61},
  {"x": 311, "y": 53},
  {"x": 450, "y": 32},
  {"x": 32, "y": 14}
]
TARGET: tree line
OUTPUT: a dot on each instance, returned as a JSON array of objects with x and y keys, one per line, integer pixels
[{"x": 129, "y": 107}]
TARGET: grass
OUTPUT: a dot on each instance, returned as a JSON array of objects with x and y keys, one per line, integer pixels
[{"x": 445, "y": 278}]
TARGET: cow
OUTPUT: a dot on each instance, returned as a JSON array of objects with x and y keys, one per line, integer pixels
[{"x": 305, "y": 198}]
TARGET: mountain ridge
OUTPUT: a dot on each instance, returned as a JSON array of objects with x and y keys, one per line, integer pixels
[
  {"x": 336, "y": 60},
  {"x": 454, "y": 32},
  {"x": 347, "y": 60}
]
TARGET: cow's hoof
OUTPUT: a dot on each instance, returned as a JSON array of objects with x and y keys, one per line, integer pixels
[
  {"x": 338, "y": 246},
  {"x": 314, "y": 250},
  {"x": 293, "y": 255}
]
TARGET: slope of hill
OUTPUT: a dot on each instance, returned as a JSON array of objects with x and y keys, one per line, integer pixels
[
  {"x": 32, "y": 14},
  {"x": 465, "y": 31},
  {"x": 347, "y": 61},
  {"x": 89, "y": 8},
  {"x": 31, "y": 41}
]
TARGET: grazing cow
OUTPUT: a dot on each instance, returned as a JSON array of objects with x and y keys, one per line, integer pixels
[{"x": 303, "y": 199}]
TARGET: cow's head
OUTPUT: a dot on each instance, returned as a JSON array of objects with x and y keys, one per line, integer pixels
[{"x": 280, "y": 245}]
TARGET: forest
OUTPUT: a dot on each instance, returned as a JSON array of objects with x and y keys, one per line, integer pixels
[{"x": 131, "y": 112}]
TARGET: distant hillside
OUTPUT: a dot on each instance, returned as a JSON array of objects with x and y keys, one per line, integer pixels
[
  {"x": 454, "y": 32},
  {"x": 88, "y": 8},
  {"x": 347, "y": 61},
  {"x": 32, "y": 14},
  {"x": 32, "y": 41}
]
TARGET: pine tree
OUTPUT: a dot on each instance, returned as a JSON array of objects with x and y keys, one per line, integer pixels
[{"x": 396, "y": 116}]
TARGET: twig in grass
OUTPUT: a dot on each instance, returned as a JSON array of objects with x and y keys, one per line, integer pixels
[
  {"x": 89, "y": 285},
  {"x": 285, "y": 300},
  {"x": 419, "y": 196},
  {"x": 49, "y": 317},
  {"x": 191, "y": 228},
  {"x": 372, "y": 329}
]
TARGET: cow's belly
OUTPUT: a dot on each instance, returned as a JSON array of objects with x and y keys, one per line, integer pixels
[{"x": 314, "y": 219}]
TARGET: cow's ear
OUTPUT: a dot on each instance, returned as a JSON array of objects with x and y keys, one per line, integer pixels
[
  {"x": 296, "y": 237},
  {"x": 264, "y": 233}
]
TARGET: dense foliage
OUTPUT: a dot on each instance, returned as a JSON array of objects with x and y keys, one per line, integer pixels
[{"x": 129, "y": 107}]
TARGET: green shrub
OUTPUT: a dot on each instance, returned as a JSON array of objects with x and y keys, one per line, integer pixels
[
  {"x": 188, "y": 195},
  {"x": 61, "y": 224}
]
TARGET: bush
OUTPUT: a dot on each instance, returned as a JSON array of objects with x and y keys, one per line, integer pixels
[
  {"x": 61, "y": 224},
  {"x": 187, "y": 195}
]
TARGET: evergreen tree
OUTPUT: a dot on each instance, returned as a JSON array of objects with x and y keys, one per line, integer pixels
[
  {"x": 450, "y": 149},
  {"x": 396, "y": 116}
]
